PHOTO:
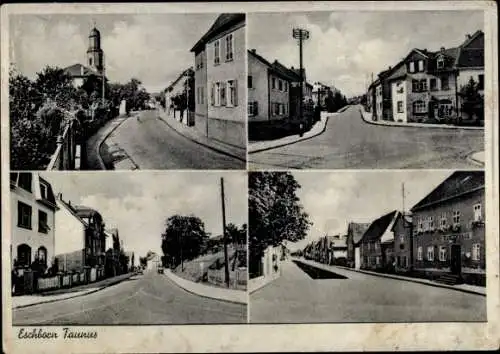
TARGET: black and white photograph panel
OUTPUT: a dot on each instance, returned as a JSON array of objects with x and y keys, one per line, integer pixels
[
  {"x": 378, "y": 89},
  {"x": 364, "y": 247},
  {"x": 127, "y": 91},
  {"x": 101, "y": 249}
]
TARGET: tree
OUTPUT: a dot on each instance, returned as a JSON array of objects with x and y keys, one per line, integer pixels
[
  {"x": 183, "y": 239},
  {"x": 56, "y": 85},
  {"x": 472, "y": 100},
  {"x": 275, "y": 214}
]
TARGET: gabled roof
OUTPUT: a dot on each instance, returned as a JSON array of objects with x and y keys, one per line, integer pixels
[
  {"x": 71, "y": 210},
  {"x": 79, "y": 70},
  {"x": 224, "y": 21},
  {"x": 85, "y": 212},
  {"x": 379, "y": 227},
  {"x": 471, "y": 56},
  {"x": 188, "y": 72},
  {"x": 294, "y": 76},
  {"x": 357, "y": 230},
  {"x": 459, "y": 183}
]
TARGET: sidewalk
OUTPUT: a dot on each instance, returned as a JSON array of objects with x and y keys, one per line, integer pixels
[
  {"x": 212, "y": 292},
  {"x": 318, "y": 128},
  {"x": 103, "y": 154},
  {"x": 62, "y": 294},
  {"x": 259, "y": 282},
  {"x": 196, "y": 137},
  {"x": 368, "y": 119},
  {"x": 466, "y": 288}
]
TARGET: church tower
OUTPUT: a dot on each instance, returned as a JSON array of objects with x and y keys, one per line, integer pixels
[{"x": 95, "y": 55}]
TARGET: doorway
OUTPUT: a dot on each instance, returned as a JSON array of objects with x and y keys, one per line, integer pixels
[{"x": 455, "y": 259}]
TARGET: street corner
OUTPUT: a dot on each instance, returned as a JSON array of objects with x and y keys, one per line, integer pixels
[{"x": 478, "y": 158}]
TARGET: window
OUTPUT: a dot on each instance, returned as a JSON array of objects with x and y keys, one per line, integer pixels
[
  {"x": 480, "y": 84},
  {"x": 442, "y": 253},
  {"x": 445, "y": 83},
  {"x": 252, "y": 109},
  {"x": 222, "y": 92},
  {"x": 285, "y": 85},
  {"x": 477, "y": 212},
  {"x": 420, "y": 65},
  {"x": 232, "y": 99},
  {"x": 415, "y": 86},
  {"x": 216, "y": 52},
  {"x": 41, "y": 255},
  {"x": 212, "y": 94},
  {"x": 412, "y": 67},
  {"x": 430, "y": 253},
  {"x": 443, "y": 220},
  {"x": 433, "y": 84},
  {"x": 202, "y": 95},
  {"x": 431, "y": 223},
  {"x": 90, "y": 61},
  {"x": 402, "y": 238},
  {"x": 43, "y": 190},
  {"x": 456, "y": 217},
  {"x": 440, "y": 63},
  {"x": 419, "y": 107},
  {"x": 476, "y": 252},
  {"x": 420, "y": 225},
  {"x": 24, "y": 181},
  {"x": 376, "y": 246},
  {"x": 43, "y": 226},
  {"x": 273, "y": 83},
  {"x": 23, "y": 215},
  {"x": 423, "y": 85},
  {"x": 250, "y": 81},
  {"x": 377, "y": 260},
  {"x": 280, "y": 85},
  {"x": 23, "y": 255},
  {"x": 419, "y": 253},
  {"x": 229, "y": 47}
]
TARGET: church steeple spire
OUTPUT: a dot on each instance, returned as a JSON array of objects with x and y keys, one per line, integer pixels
[{"x": 94, "y": 52}]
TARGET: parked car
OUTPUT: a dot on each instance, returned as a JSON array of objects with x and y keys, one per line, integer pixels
[{"x": 160, "y": 270}]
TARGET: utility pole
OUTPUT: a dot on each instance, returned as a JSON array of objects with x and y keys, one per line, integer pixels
[
  {"x": 103, "y": 78},
  {"x": 226, "y": 260},
  {"x": 301, "y": 35},
  {"x": 403, "y": 192}
]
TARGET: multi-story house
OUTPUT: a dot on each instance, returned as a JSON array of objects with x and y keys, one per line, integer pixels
[
  {"x": 377, "y": 244},
  {"x": 355, "y": 232},
  {"x": 449, "y": 226},
  {"x": 225, "y": 50},
  {"x": 33, "y": 209},
  {"x": 403, "y": 242},
  {"x": 180, "y": 97},
  {"x": 320, "y": 93},
  {"x": 200, "y": 93},
  {"x": 268, "y": 93},
  {"x": 80, "y": 237}
]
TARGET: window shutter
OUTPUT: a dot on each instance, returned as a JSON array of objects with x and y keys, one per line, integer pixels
[
  {"x": 235, "y": 87},
  {"x": 212, "y": 95},
  {"x": 256, "y": 108}
]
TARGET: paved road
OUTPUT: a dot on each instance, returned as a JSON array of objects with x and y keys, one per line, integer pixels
[
  {"x": 297, "y": 298},
  {"x": 349, "y": 142},
  {"x": 152, "y": 144},
  {"x": 145, "y": 299}
]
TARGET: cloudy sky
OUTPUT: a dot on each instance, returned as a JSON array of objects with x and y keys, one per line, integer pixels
[
  {"x": 138, "y": 203},
  {"x": 346, "y": 47},
  {"x": 153, "y": 48},
  {"x": 332, "y": 199}
]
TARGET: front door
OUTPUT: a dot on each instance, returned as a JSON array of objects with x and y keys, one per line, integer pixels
[{"x": 455, "y": 259}]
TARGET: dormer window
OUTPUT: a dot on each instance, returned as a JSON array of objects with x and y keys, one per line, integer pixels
[
  {"x": 440, "y": 63},
  {"x": 43, "y": 191},
  {"x": 412, "y": 67},
  {"x": 24, "y": 181},
  {"x": 420, "y": 65}
]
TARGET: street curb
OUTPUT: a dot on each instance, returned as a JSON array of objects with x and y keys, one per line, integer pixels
[
  {"x": 436, "y": 285},
  {"x": 98, "y": 148},
  {"x": 292, "y": 142},
  {"x": 198, "y": 294},
  {"x": 476, "y": 161},
  {"x": 406, "y": 125},
  {"x": 72, "y": 297},
  {"x": 262, "y": 286},
  {"x": 220, "y": 151}
]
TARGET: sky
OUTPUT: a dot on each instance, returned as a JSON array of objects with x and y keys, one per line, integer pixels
[
  {"x": 333, "y": 199},
  {"x": 155, "y": 48},
  {"x": 344, "y": 48},
  {"x": 138, "y": 203}
]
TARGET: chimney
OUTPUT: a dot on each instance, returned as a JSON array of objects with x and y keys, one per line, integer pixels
[
  {"x": 390, "y": 67},
  {"x": 69, "y": 203},
  {"x": 467, "y": 36},
  {"x": 442, "y": 49},
  {"x": 252, "y": 50},
  {"x": 59, "y": 196}
]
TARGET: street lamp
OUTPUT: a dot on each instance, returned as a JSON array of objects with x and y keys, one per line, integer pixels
[{"x": 301, "y": 35}]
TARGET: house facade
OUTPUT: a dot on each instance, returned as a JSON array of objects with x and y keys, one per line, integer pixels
[
  {"x": 403, "y": 242},
  {"x": 200, "y": 93},
  {"x": 355, "y": 232},
  {"x": 180, "y": 97},
  {"x": 95, "y": 237},
  {"x": 449, "y": 229},
  {"x": 268, "y": 91},
  {"x": 33, "y": 209},
  {"x": 377, "y": 244},
  {"x": 225, "y": 48}
]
